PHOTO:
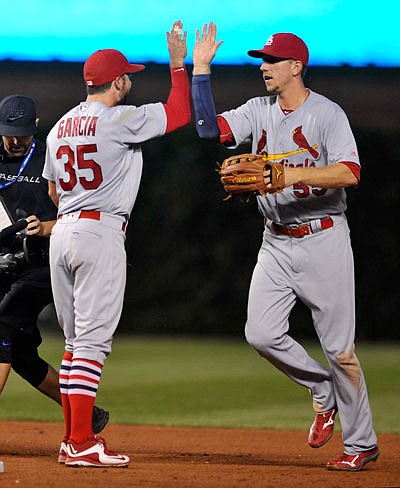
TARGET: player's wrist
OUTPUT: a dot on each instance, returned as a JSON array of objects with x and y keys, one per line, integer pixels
[
  {"x": 201, "y": 69},
  {"x": 177, "y": 63},
  {"x": 291, "y": 176}
]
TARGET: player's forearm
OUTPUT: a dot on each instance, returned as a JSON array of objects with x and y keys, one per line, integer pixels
[
  {"x": 334, "y": 176},
  {"x": 177, "y": 108},
  {"x": 204, "y": 108}
]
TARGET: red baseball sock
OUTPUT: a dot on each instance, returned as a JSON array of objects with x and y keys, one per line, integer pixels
[{"x": 82, "y": 389}]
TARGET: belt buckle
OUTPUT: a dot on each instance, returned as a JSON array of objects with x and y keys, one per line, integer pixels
[
  {"x": 299, "y": 231},
  {"x": 305, "y": 230}
]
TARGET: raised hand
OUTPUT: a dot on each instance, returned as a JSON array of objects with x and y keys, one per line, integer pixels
[
  {"x": 177, "y": 45},
  {"x": 205, "y": 48}
]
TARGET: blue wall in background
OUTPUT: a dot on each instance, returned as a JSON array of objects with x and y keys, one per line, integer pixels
[{"x": 337, "y": 32}]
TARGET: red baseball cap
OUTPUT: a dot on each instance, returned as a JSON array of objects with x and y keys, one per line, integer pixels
[
  {"x": 283, "y": 45},
  {"x": 105, "y": 65}
]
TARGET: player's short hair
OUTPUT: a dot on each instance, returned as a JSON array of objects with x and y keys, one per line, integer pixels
[{"x": 92, "y": 90}]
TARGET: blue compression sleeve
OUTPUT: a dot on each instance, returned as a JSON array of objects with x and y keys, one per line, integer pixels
[{"x": 204, "y": 108}]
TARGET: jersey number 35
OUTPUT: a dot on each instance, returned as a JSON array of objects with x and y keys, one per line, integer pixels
[{"x": 77, "y": 160}]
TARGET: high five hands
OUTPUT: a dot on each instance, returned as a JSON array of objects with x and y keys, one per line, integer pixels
[
  {"x": 177, "y": 45},
  {"x": 205, "y": 49}
]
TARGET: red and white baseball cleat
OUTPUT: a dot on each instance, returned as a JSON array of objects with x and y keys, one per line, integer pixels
[
  {"x": 94, "y": 453},
  {"x": 321, "y": 429},
  {"x": 353, "y": 462},
  {"x": 62, "y": 453}
]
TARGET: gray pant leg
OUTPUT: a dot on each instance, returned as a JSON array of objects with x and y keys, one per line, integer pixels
[
  {"x": 319, "y": 270},
  {"x": 270, "y": 302},
  {"x": 328, "y": 291}
]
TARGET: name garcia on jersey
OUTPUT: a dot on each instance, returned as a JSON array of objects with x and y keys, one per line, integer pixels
[{"x": 84, "y": 125}]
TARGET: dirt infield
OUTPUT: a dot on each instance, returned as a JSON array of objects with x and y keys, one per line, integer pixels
[{"x": 166, "y": 457}]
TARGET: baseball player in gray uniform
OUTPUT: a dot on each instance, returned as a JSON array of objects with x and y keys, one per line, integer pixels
[
  {"x": 94, "y": 164},
  {"x": 306, "y": 251}
]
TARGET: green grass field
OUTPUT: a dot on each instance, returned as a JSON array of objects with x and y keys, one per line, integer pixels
[{"x": 205, "y": 383}]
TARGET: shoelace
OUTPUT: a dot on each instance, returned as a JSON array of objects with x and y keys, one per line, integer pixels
[{"x": 103, "y": 442}]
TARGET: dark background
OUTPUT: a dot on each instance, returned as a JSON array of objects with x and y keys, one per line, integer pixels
[{"x": 190, "y": 253}]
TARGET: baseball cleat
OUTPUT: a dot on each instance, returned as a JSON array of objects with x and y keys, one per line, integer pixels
[
  {"x": 62, "y": 453},
  {"x": 94, "y": 453},
  {"x": 353, "y": 462},
  {"x": 321, "y": 429}
]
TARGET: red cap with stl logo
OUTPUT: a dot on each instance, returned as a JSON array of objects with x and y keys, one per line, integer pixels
[
  {"x": 285, "y": 46},
  {"x": 106, "y": 65}
]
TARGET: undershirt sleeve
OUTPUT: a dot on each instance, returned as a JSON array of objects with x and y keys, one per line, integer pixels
[
  {"x": 226, "y": 136},
  {"x": 204, "y": 108},
  {"x": 177, "y": 107},
  {"x": 353, "y": 167}
]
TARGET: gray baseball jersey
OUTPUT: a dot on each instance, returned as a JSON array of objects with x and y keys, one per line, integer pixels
[
  {"x": 96, "y": 147},
  {"x": 316, "y": 134}
]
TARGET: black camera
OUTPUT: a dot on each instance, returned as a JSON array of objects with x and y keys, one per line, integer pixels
[{"x": 10, "y": 263}]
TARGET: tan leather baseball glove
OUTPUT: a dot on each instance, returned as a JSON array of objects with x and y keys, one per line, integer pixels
[{"x": 251, "y": 174}]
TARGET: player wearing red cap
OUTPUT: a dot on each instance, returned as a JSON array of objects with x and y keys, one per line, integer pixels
[
  {"x": 94, "y": 165},
  {"x": 306, "y": 251}
]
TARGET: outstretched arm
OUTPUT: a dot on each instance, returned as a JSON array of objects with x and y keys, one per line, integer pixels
[
  {"x": 177, "y": 107},
  {"x": 203, "y": 53}
]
